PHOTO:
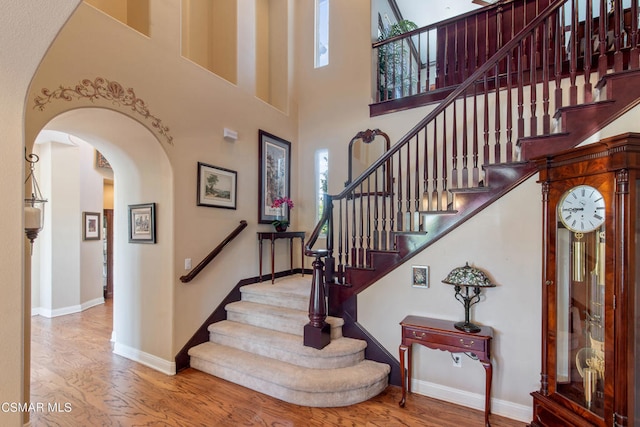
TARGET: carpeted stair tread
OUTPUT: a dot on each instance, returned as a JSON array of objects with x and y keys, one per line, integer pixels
[
  {"x": 278, "y": 318},
  {"x": 292, "y": 293},
  {"x": 260, "y": 346},
  {"x": 290, "y": 376},
  {"x": 287, "y": 347}
]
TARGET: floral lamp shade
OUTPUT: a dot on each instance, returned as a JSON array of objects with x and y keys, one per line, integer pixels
[{"x": 468, "y": 281}]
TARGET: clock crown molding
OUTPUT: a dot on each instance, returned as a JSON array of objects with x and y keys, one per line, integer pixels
[{"x": 610, "y": 154}]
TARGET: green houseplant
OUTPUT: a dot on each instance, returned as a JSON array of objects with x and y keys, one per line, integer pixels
[{"x": 394, "y": 61}]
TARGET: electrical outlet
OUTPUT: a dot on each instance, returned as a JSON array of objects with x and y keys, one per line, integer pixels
[
  {"x": 187, "y": 263},
  {"x": 457, "y": 359}
]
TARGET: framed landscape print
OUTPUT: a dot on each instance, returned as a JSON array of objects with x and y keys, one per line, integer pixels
[
  {"x": 91, "y": 226},
  {"x": 274, "y": 172},
  {"x": 142, "y": 223},
  {"x": 217, "y": 187}
]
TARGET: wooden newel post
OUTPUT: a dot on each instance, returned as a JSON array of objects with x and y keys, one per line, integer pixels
[{"x": 317, "y": 333}]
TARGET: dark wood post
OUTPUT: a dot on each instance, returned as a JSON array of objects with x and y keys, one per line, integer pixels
[{"x": 317, "y": 333}]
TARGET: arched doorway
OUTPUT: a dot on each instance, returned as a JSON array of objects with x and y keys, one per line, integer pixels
[{"x": 143, "y": 273}]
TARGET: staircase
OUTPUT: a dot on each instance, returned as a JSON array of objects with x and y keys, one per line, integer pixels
[
  {"x": 534, "y": 97},
  {"x": 523, "y": 102},
  {"x": 260, "y": 347}
]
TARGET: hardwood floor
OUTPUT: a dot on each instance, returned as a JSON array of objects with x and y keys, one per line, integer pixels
[{"x": 80, "y": 382}]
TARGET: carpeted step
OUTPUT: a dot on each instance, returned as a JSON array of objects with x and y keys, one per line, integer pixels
[
  {"x": 291, "y": 383},
  {"x": 277, "y": 318},
  {"x": 291, "y": 293},
  {"x": 340, "y": 353}
]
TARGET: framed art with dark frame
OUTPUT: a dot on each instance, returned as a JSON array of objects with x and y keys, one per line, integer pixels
[
  {"x": 274, "y": 176},
  {"x": 217, "y": 187},
  {"x": 91, "y": 226},
  {"x": 142, "y": 223}
]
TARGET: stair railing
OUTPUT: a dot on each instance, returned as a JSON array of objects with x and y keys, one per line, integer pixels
[
  {"x": 479, "y": 124},
  {"x": 442, "y": 55},
  {"x": 198, "y": 268}
]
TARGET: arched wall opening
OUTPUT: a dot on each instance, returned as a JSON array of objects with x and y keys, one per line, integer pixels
[{"x": 142, "y": 273}]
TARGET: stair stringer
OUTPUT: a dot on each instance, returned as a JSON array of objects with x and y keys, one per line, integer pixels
[{"x": 466, "y": 202}]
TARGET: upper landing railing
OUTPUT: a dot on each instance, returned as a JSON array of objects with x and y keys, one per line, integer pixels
[{"x": 425, "y": 64}]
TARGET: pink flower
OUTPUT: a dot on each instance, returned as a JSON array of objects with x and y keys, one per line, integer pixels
[{"x": 281, "y": 201}]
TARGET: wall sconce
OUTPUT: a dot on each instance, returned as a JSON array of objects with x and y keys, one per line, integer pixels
[
  {"x": 468, "y": 277},
  {"x": 34, "y": 206}
]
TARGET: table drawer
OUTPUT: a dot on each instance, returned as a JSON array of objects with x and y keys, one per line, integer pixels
[{"x": 463, "y": 342}]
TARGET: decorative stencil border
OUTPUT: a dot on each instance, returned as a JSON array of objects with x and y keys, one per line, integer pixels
[{"x": 101, "y": 88}]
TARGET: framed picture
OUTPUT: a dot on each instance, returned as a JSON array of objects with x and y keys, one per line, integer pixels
[
  {"x": 91, "y": 226},
  {"x": 274, "y": 175},
  {"x": 420, "y": 276},
  {"x": 217, "y": 187},
  {"x": 142, "y": 223},
  {"x": 101, "y": 161}
]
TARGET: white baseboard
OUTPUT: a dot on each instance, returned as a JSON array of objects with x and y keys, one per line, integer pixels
[
  {"x": 154, "y": 362},
  {"x": 45, "y": 312},
  {"x": 500, "y": 407}
]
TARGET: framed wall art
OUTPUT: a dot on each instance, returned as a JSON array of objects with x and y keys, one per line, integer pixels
[
  {"x": 274, "y": 172},
  {"x": 420, "y": 276},
  {"x": 142, "y": 223},
  {"x": 217, "y": 187},
  {"x": 91, "y": 226}
]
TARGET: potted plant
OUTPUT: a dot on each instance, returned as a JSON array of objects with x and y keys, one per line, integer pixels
[
  {"x": 394, "y": 61},
  {"x": 281, "y": 222}
]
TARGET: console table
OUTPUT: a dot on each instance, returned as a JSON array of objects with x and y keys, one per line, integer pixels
[
  {"x": 281, "y": 235},
  {"x": 442, "y": 335}
]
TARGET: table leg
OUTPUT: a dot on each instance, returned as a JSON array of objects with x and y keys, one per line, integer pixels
[
  {"x": 302, "y": 254},
  {"x": 409, "y": 365},
  {"x": 487, "y": 392},
  {"x": 260, "y": 256},
  {"x": 291, "y": 255},
  {"x": 403, "y": 349},
  {"x": 273, "y": 247}
]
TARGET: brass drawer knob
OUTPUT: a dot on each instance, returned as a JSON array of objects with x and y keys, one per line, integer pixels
[
  {"x": 466, "y": 345},
  {"x": 421, "y": 336}
]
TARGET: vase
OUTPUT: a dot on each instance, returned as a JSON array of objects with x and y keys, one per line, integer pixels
[{"x": 281, "y": 228}]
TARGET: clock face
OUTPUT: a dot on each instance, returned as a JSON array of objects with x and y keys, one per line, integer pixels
[{"x": 582, "y": 209}]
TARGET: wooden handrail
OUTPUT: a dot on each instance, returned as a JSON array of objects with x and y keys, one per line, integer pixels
[{"x": 198, "y": 268}]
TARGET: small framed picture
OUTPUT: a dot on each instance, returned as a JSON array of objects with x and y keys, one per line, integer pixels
[
  {"x": 91, "y": 226},
  {"x": 420, "y": 276},
  {"x": 142, "y": 223},
  {"x": 217, "y": 187}
]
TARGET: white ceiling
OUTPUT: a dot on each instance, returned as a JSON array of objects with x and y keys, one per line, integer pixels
[{"x": 425, "y": 12}]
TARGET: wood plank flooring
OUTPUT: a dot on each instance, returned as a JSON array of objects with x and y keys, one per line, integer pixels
[{"x": 80, "y": 382}]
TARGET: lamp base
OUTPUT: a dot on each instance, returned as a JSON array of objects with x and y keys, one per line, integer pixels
[{"x": 467, "y": 327}]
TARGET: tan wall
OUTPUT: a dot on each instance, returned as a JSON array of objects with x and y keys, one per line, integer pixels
[
  {"x": 196, "y": 106},
  {"x": 210, "y": 35},
  {"x": 27, "y": 28}
]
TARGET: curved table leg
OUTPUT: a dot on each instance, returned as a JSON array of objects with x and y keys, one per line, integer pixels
[
  {"x": 403, "y": 349},
  {"x": 487, "y": 392}
]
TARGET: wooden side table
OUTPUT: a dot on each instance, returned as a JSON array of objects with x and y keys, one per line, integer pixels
[
  {"x": 281, "y": 235},
  {"x": 442, "y": 335}
]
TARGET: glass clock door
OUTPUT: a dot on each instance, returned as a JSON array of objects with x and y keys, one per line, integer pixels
[{"x": 580, "y": 316}]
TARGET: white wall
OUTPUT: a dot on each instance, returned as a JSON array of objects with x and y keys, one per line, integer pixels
[{"x": 66, "y": 270}]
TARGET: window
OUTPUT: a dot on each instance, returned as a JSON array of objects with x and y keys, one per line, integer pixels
[
  {"x": 322, "y": 180},
  {"x": 322, "y": 33}
]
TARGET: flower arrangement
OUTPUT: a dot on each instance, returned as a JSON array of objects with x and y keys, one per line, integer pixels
[{"x": 279, "y": 203}]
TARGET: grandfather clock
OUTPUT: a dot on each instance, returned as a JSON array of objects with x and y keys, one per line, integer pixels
[{"x": 590, "y": 298}]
